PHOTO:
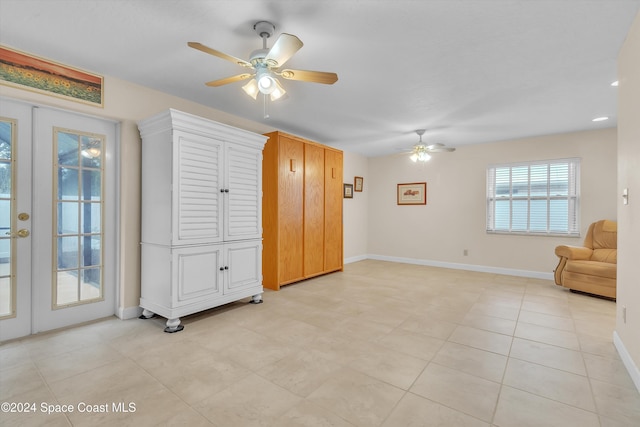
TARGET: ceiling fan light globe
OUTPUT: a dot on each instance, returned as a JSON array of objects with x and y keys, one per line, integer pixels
[
  {"x": 251, "y": 89},
  {"x": 266, "y": 84},
  {"x": 420, "y": 153},
  {"x": 278, "y": 92}
]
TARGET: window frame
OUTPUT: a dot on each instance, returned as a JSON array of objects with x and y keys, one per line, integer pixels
[
  {"x": 82, "y": 166},
  {"x": 572, "y": 197}
]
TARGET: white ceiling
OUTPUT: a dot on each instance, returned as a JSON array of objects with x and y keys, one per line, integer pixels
[{"x": 468, "y": 71}]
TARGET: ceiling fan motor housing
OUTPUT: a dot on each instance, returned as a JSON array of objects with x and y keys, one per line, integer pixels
[
  {"x": 257, "y": 56},
  {"x": 265, "y": 30}
]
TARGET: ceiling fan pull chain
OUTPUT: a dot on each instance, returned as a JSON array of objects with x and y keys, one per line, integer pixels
[{"x": 266, "y": 113}]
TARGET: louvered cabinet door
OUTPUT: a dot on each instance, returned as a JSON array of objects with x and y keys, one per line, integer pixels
[
  {"x": 242, "y": 193},
  {"x": 196, "y": 184}
]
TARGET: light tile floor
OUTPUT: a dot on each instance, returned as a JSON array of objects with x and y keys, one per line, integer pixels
[{"x": 380, "y": 344}]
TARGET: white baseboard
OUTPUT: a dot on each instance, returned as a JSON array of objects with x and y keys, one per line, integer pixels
[
  {"x": 458, "y": 266},
  {"x": 633, "y": 370},
  {"x": 126, "y": 313},
  {"x": 355, "y": 259}
]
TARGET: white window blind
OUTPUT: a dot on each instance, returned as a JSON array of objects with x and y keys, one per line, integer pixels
[{"x": 540, "y": 198}]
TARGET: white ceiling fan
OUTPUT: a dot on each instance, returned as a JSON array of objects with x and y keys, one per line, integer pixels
[
  {"x": 265, "y": 64},
  {"x": 422, "y": 152}
]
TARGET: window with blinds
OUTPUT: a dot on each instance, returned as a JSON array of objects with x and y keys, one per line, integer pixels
[{"x": 538, "y": 198}]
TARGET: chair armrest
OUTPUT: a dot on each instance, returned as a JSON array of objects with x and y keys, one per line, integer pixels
[{"x": 574, "y": 252}]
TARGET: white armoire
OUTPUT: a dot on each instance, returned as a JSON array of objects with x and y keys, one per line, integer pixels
[{"x": 201, "y": 215}]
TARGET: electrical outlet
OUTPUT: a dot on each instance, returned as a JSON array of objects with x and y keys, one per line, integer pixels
[
  {"x": 624, "y": 314},
  {"x": 465, "y": 252}
]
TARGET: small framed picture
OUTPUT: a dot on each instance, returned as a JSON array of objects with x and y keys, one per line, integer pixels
[
  {"x": 358, "y": 181},
  {"x": 414, "y": 193},
  {"x": 348, "y": 191}
]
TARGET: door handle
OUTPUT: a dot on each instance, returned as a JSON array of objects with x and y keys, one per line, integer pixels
[{"x": 22, "y": 233}]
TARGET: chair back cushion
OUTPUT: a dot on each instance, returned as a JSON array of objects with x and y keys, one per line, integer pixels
[
  {"x": 605, "y": 255},
  {"x": 602, "y": 237}
]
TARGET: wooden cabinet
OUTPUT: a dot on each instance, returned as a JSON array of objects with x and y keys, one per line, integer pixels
[
  {"x": 201, "y": 215},
  {"x": 302, "y": 210}
]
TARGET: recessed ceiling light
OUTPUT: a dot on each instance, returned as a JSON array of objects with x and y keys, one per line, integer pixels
[
  {"x": 600, "y": 119},
  {"x": 614, "y": 83}
]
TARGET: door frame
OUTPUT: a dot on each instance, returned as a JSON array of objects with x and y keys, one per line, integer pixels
[{"x": 115, "y": 169}]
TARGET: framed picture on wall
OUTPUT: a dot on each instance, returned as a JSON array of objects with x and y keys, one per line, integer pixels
[
  {"x": 348, "y": 191},
  {"x": 358, "y": 182},
  {"x": 37, "y": 74},
  {"x": 414, "y": 193}
]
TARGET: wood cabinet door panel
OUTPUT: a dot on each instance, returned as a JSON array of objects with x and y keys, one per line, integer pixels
[
  {"x": 290, "y": 209},
  {"x": 333, "y": 258},
  {"x": 313, "y": 210}
]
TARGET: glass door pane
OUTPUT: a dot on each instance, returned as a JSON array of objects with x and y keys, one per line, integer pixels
[
  {"x": 7, "y": 196},
  {"x": 78, "y": 212}
]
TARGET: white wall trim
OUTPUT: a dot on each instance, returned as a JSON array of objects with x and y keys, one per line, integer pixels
[
  {"x": 355, "y": 259},
  {"x": 633, "y": 370},
  {"x": 129, "y": 312},
  {"x": 458, "y": 266}
]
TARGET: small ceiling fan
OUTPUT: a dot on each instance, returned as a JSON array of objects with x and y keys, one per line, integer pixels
[
  {"x": 422, "y": 152},
  {"x": 265, "y": 64}
]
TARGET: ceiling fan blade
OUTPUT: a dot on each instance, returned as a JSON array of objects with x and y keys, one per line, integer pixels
[
  {"x": 210, "y": 51},
  {"x": 227, "y": 80},
  {"x": 284, "y": 48},
  {"x": 439, "y": 148},
  {"x": 310, "y": 76}
]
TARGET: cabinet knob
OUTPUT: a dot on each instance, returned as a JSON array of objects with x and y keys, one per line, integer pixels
[
  {"x": 226, "y": 267},
  {"x": 221, "y": 268},
  {"x": 226, "y": 190},
  {"x": 222, "y": 190}
]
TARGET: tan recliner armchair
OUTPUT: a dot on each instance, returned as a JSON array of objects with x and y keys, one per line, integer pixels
[{"x": 591, "y": 268}]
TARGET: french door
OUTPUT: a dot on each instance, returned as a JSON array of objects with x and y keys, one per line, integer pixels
[{"x": 58, "y": 219}]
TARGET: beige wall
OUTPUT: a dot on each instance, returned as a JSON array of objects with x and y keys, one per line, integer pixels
[
  {"x": 628, "y": 333},
  {"x": 128, "y": 103},
  {"x": 454, "y": 218},
  {"x": 355, "y": 211}
]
